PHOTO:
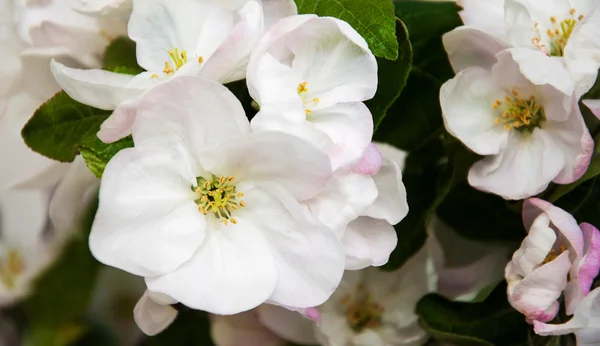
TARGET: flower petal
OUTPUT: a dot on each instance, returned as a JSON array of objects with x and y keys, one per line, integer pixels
[
  {"x": 586, "y": 269},
  {"x": 197, "y": 111},
  {"x": 368, "y": 242},
  {"x": 147, "y": 222},
  {"x": 230, "y": 257},
  {"x": 289, "y": 325},
  {"x": 392, "y": 153},
  {"x": 371, "y": 161},
  {"x": 274, "y": 157},
  {"x": 581, "y": 53},
  {"x": 467, "y": 102},
  {"x": 151, "y": 317},
  {"x": 467, "y": 46},
  {"x": 580, "y": 320},
  {"x": 96, "y": 88},
  {"x": 242, "y": 329},
  {"x": 309, "y": 257},
  {"x": 523, "y": 169},
  {"x": 391, "y": 204},
  {"x": 487, "y": 17}
]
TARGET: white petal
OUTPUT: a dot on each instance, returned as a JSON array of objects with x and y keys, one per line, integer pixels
[
  {"x": 486, "y": 16},
  {"x": 594, "y": 106},
  {"x": 147, "y": 222},
  {"x": 520, "y": 24},
  {"x": 24, "y": 216},
  {"x": 309, "y": 257},
  {"x": 96, "y": 88},
  {"x": 392, "y": 153},
  {"x": 152, "y": 318},
  {"x": 368, "y": 242},
  {"x": 274, "y": 10},
  {"x": 391, "y": 204},
  {"x": 525, "y": 168},
  {"x": 580, "y": 320},
  {"x": 467, "y": 46},
  {"x": 350, "y": 127},
  {"x": 120, "y": 123},
  {"x": 582, "y": 52},
  {"x": 325, "y": 50},
  {"x": 73, "y": 195},
  {"x": 273, "y": 157},
  {"x": 466, "y": 102},
  {"x": 197, "y": 111},
  {"x": 345, "y": 197},
  {"x": 233, "y": 271},
  {"x": 275, "y": 84}
]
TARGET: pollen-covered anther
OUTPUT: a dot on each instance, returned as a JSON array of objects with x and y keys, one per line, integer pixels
[
  {"x": 200, "y": 59},
  {"x": 177, "y": 58},
  {"x": 218, "y": 196},
  {"x": 362, "y": 311},
  {"x": 519, "y": 113},
  {"x": 10, "y": 268},
  {"x": 302, "y": 87}
]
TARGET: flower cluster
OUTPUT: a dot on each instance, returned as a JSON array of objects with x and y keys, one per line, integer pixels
[{"x": 521, "y": 67}]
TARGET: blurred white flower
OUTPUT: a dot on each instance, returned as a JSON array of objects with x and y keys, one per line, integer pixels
[
  {"x": 532, "y": 134},
  {"x": 310, "y": 75},
  {"x": 153, "y": 313},
  {"x": 566, "y": 32},
  {"x": 215, "y": 44},
  {"x": 556, "y": 256},
  {"x": 202, "y": 207},
  {"x": 370, "y": 307}
]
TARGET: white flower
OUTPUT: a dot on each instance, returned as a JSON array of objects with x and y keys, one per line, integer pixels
[
  {"x": 556, "y": 256},
  {"x": 212, "y": 39},
  {"x": 466, "y": 267},
  {"x": 566, "y": 32},
  {"x": 584, "y": 323},
  {"x": 105, "y": 8},
  {"x": 532, "y": 134},
  {"x": 310, "y": 75},
  {"x": 153, "y": 313},
  {"x": 24, "y": 252},
  {"x": 370, "y": 307},
  {"x": 210, "y": 213}
]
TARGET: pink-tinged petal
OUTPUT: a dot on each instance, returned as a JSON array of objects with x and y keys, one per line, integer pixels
[
  {"x": 370, "y": 163},
  {"x": 563, "y": 221},
  {"x": 594, "y": 106},
  {"x": 392, "y": 153},
  {"x": 243, "y": 329},
  {"x": 467, "y": 46},
  {"x": 391, "y": 204},
  {"x": 290, "y": 323},
  {"x": 368, "y": 242},
  {"x": 120, "y": 122},
  {"x": 536, "y": 296},
  {"x": 274, "y": 10},
  {"x": 586, "y": 269},
  {"x": 577, "y": 143}
]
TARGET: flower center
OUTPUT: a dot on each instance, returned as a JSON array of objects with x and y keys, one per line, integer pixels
[
  {"x": 362, "y": 311},
  {"x": 178, "y": 59},
  {"x": 558, "y": 33},
  {"x": 311, "y": 102},
  {"x": 218, "y": 196},
  {"x": 10, "y": 268},
  {"x": 519, "y": 113},
  {"x": 553, "y": 254}
]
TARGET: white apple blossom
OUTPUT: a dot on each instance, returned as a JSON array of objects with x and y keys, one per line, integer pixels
[
  {"x": 566, "y": 32},
  {"x": 557, "y": 256},
  {"x": 584, "y": 323},
  {"x": 105, "y": 8},
  {"x": 209, "y": 213},
  {"x": 531, "y": 134},
  {"x": 310, "y": 75},
  {"x": 211, "y": 39},
  {"x": 370, "y": 307},
  {"x": 31, "y": 34},
  {"x": 24, "y": 251}
]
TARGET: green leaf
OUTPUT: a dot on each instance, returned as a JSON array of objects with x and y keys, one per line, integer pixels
[
  {"x": 392, "y": 76},
  {"x": 62, "y": 128},
  {"x": 373, "y": 19},
  {"x": 191, "y": 328},
  {"x": 491, "y": 322},
  {"x": 592, "y": 171},
  {"x": 62, "y": 293},
  {"x": 120, "y": 57},
  {"x": 426, "y": 187}
]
